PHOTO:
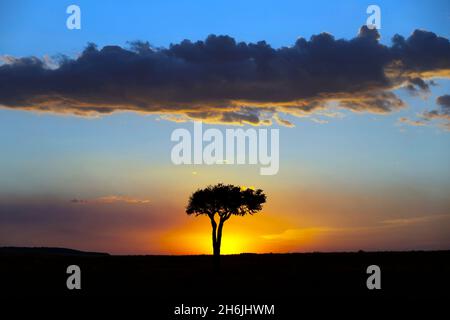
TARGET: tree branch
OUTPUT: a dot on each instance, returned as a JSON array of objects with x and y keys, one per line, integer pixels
[{"x": 227, "y": 216}]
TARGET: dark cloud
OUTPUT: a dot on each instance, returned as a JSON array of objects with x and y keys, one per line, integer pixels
[
  {"x": 444, "y": 102},
  {"x": 417, "y": 85},
  {"x": 221, "y": 80},
  {"x": 443, "y": 110},
  {"x": 249, "y": 115},
  {"x": 382, "y": 102},
  {"x": 423, "y": 51}
]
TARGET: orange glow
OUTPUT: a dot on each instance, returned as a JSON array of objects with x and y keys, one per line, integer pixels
[
  {"x": 240, "y": 235},
  {"x": 201, "y": 243},
  {"x": 288, "y": 223}
]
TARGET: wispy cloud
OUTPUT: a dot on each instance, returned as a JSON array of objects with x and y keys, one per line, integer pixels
[
  {"x": 112, "y": 199},
  {"x": 319, "y": 121},
  {"x": 441, "y": 115},
  {"x": 416, "y": 123},
  {"x": 414, "y": 220},
  {"x": 309, "y": 232},
  {"x": 300, "y": 233}
]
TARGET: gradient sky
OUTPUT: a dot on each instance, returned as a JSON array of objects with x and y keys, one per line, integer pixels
[{"x": 348, "y": 182}]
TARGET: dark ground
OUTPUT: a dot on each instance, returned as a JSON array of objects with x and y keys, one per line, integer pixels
[{"x": 246, "y": 278}]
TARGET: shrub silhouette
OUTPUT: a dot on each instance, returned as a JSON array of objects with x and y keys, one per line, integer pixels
[{"x": 224, "y": 201}]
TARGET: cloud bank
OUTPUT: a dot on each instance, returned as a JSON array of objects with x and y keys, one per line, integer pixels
[{"x": 221, "y": 80}]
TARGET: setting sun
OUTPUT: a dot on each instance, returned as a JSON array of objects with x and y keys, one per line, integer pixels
[
  {"x": 235, "y": 244},
  {"x": 200, "y": 243}
]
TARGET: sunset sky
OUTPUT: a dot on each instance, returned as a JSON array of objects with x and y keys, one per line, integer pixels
[{"x": 364, "y": 140}]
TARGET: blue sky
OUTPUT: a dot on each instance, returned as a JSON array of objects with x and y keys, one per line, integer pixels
[{"x": 38, "y": 28}]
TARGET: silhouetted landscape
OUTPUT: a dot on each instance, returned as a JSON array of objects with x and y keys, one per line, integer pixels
[{"x": 42, "y": 271}]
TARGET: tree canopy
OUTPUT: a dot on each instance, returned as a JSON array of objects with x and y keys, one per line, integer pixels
[{"x": 225, "y": 200}]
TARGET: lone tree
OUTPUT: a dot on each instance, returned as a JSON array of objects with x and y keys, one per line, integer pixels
[{"x": 224, "y": 201}]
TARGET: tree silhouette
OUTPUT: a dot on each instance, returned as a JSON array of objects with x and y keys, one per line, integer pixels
[{"x": 224, "y": 201}]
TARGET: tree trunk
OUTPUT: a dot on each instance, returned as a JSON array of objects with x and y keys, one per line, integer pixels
[
  {"x": 219, "y": 235},
  {"x": 216, "y": 246},
  {"x": 217, "y": 240},
  {"x": 214, "y": 236}
]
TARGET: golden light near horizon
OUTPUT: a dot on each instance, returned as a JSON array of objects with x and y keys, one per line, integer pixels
[
  {"x": 199, "y": 242},
  {"x": 240, "y": 235},
  {"x": 235, "y": 244}
]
